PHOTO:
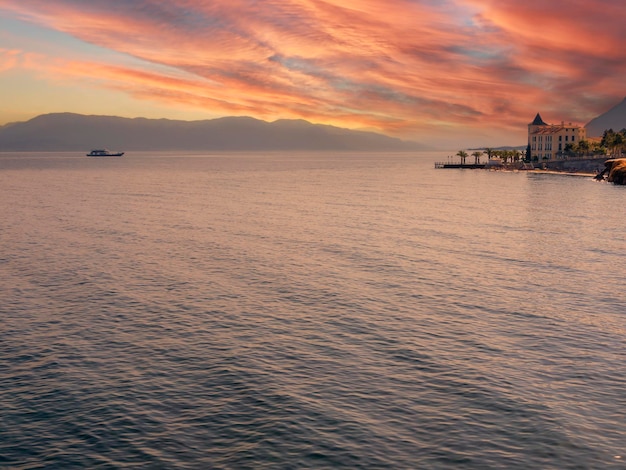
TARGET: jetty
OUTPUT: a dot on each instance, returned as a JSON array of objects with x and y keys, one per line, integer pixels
[{"x": 471, "y": 166}]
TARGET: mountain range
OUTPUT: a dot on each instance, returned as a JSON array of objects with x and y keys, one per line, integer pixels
[
  {"x": 77, "y": 132},
  {"x": 614, "y": 118},
  {"x": 70, "y": 132}
]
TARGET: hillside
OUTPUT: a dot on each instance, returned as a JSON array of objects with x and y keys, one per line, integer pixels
[
  {"x": 67, "y": 131},
  {"x": 614, "y": 118}
]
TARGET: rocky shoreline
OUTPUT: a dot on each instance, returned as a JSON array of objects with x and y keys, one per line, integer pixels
[
  {"x": 615, "y": 169},
  {"x": 612, "y": 170}
]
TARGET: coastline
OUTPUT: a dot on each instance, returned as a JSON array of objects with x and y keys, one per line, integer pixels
[{"x": 585, "y": 174}]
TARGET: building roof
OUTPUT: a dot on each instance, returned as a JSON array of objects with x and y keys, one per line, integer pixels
[
  {"x": 548, "y": 130},
  {"x": 555, "y": 129},
  {"x": 538, "y": 121}
]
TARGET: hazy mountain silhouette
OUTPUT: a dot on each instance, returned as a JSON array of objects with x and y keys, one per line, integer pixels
[
  {"x": 68, "y": 131},
  {"x": 614, "y": 118}
]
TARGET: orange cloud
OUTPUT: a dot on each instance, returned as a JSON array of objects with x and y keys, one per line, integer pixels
[
  {"x": 399, "y": 66},
  {"x": 9, "y": 59}
]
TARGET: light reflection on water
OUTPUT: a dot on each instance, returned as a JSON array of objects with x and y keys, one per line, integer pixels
[{"x": 297, "y": 311}]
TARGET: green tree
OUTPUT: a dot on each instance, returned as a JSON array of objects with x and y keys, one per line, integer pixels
[
  {"x": 583, "y": 147},
  {"x": 476, "y": 156},
  {"x": 597, "y": 149},
  {"x": 608, "y": 140},
  {"x": 618, "y": 143}
]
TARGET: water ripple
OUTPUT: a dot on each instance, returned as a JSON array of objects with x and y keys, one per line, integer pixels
[{"x": 307, "y": 312}]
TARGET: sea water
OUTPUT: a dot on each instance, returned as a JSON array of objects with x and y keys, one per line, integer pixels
[{"x": 290, "y": 311}]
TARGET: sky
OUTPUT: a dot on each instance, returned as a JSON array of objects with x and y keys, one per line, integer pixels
[{"x": 444, "y": 73}]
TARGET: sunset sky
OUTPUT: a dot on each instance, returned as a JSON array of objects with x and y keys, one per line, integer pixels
[{"x": 463, "y": 72}]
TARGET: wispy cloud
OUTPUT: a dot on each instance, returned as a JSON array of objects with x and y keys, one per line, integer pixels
[
  {"x": 400, "y": 66},
  {"x": 9, "y": 59}
]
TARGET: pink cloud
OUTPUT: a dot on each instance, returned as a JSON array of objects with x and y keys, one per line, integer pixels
[{"x": 399, "y": 66}]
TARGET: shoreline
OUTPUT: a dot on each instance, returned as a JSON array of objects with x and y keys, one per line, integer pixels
[{"x": 585, "y": 174}]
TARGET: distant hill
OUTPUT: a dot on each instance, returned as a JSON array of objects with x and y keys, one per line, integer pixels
[
  {"x": 505, "y": 147},
  {"x": 614, "y": 118},
  {"x": 76, "y": 132}
]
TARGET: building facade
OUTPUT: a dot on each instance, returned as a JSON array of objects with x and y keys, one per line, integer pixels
[{"x": 549, "y": 141}]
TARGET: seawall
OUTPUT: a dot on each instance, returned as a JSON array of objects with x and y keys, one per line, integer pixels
[{"x": 590, "y": 165}]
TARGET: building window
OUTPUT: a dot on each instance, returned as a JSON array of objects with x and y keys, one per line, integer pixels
[
  {"x": 566, "y": 137},
  {"x": 560, "y": 138},
  {"x": 573, "y": 138}
]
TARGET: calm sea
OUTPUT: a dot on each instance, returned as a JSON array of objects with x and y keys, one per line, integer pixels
[{"x": 291, "y": 311}]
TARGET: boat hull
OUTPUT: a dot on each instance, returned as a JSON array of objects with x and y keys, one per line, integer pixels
[{"x": 104, "y": 153}]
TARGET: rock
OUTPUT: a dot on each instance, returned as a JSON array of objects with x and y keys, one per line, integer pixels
[{"x": 617, "y": 170}]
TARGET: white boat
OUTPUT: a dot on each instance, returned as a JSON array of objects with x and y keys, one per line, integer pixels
[{"x": 104, "y": 153}]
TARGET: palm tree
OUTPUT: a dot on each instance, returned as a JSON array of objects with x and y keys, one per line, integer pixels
[
  {"x": 497, "y": 153},
  {"x": 476, "y": 156},
  {"x": 489, "y": 152},
  {"x": 463, "y": 155}
]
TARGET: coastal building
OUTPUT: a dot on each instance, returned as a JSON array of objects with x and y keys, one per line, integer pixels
[{"x": 549, "y": 141}]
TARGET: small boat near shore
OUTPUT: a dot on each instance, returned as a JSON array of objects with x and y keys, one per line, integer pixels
[{"x": 104, "y": 153}]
